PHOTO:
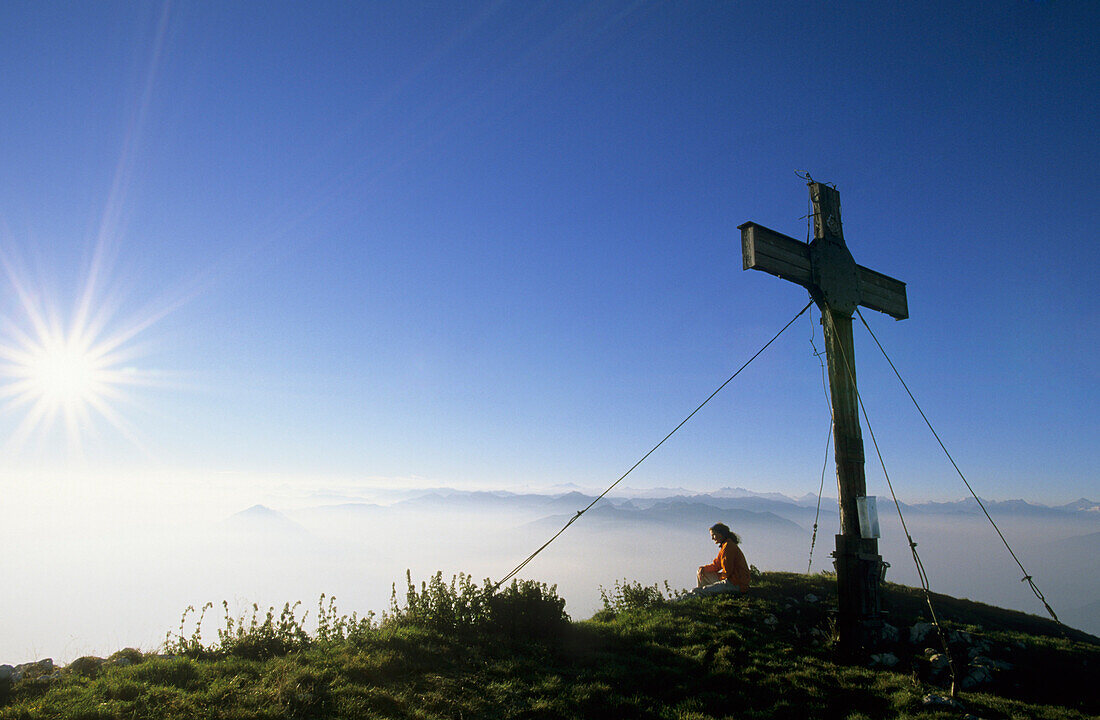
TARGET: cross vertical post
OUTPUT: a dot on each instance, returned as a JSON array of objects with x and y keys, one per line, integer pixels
[{"x": 838, "y": 286}]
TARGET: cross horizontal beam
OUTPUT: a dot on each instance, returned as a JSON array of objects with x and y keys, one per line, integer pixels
[{"x": 782, "y": 255}]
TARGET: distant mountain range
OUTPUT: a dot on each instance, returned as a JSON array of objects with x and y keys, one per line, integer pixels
[
  {"x": 729, "y": 499},
  {"x": 676, "y": 513},
  {"x": 773, "y": 511},
  {"x": 662, "y": 501},
  {"x": 969, "y": 506}
]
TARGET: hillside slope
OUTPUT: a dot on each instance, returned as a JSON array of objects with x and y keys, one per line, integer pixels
[{"x": 455, "y": 651}]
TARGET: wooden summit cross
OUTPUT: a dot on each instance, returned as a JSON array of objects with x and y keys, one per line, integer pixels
[{"x": 838, "y": 286}]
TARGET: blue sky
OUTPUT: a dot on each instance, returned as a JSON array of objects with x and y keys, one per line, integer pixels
[{"x": 495, "y": 244}]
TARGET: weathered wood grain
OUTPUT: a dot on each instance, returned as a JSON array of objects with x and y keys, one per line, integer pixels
[
  {"x": 883, "y": 293},
  {"x": 775, "y": 253}
]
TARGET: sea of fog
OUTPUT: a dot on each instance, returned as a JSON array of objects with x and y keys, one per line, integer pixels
[{"x": 84, "y": 580}]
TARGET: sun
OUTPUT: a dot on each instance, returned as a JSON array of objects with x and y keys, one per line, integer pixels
[
  {"x": 65, "y": 373},
  {"x": 72, "y": 374},
  {"x": 54, "y": 377}
]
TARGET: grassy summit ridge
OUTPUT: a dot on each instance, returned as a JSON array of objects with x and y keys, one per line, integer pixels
[{"x": 459, "y": 651}]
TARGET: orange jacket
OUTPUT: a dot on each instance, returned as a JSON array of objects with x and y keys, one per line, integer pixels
[{"x": 730, "y": 565}]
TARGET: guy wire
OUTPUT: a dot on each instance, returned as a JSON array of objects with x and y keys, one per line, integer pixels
[
  {"x": 828, "y": 442},
  {"x": 573, "y": 519},
  {"x": 820, "y": 491},
  {"x": 1027, "y": 576},
  {"x": 921, "y": 574}
]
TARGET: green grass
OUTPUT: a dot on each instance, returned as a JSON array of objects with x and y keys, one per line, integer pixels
[{"x": 459, "y": 650}]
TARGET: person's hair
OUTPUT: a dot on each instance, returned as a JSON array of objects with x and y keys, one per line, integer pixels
[{"x": 724, "y": 530}]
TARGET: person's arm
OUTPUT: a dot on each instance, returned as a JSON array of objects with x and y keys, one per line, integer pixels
[
  {"x": 715, "y": 566},
  {"x": 725, "y": 560}
]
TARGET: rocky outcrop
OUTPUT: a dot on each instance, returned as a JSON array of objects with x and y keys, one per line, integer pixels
[{"x": 45, "y": 671}]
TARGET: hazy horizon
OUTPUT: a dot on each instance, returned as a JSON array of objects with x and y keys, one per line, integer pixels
[{"x": 92, "y": 588}]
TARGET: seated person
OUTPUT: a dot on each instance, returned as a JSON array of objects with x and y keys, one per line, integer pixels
[{"x": 729, "y": 572}]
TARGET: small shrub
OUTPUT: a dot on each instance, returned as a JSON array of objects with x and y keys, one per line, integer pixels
[
  {"x": 262, "y": 640},
  {"x": 188, "y": 645},
  {"x": 627, "y": 596},
  {"x": 460, "y": 606},
  {"x": 254, "y": 640},
  {"x": 526, "y": 609},
  {"x": 334, "y": 628}
]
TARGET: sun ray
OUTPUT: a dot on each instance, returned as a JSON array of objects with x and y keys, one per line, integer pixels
[
  {"x": 71, "y": 374},
  {"x": 27, "y": 427}
]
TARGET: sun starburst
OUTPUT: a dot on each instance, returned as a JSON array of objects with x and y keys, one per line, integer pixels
[{"x": 72, "y": 374}]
